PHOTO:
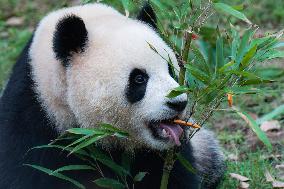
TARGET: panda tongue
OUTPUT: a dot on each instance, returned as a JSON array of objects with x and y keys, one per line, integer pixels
[{"x": 175, "y": 131}]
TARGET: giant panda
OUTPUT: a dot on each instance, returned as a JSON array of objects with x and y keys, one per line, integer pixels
[{"x": 90, "y": 64}]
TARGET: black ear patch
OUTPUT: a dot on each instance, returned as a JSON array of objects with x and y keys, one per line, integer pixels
[
  {"x": 70, "y": 37},
  {"x": 137, "y": 84},
  {"x": 148, "y": 15}
]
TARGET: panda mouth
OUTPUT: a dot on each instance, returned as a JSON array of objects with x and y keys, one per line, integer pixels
[{"x": 166, "y": 130}]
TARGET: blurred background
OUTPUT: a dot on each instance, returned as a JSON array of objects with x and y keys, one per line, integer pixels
[{"x": 244, "y": 152}]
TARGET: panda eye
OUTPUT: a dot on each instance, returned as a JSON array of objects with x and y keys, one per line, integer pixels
[
  {"x": 137, "y": 84},
  {"x": 139, "y": 79}
]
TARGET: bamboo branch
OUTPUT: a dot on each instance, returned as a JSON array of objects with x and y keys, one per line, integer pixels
[{"x": 168, "y": 166}]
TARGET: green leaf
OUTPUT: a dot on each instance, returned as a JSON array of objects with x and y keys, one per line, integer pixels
[
  {"x": 72, "y": 168},
  {"x": 255, "y": 127},
  {"x": 235, "y": 43},
  {"x": 58, "y": 175},
  {"x": 197, "y": 73},
  {"x": 172, "y": 67},
  {"x": 114, "y": 166},
  {"x": 84, "y": 138},
  {"x": 100, "y": 156},
  {"x": 126, "y": 161},
  {"x": 178, "y": 91},
  {"x": 185, "y": 163},
  {"x": 249, "y": 55},
  {"x": 109, "y": 127},
  {"x": 125, "y": 4},
  {"x": 84, "y": 131},
  {"x": 262, "y": 42},
  {"x": 200, "y": 60},
  {"x": 241, "y": 90},
  {"x": 244, "y": 45},
  {"x": 230, "y": 10},
  {"x": 87, "y": 1},
  {"x": 278, "y": 111},
  {"x": 269, "y": 73},
  {"x": 245, "y": 74},
  {"x": 219, "y": 53},
  {"x": 139, "y": 177},
  {"x": 159, "y": 4},
  {"x": 115, "y": 131},
  {"x": 274, "y": 54},
  {"x": 88, "y": 142},
  {"x": 279, "y": 45},
  {"x": 109, "y": 183},
  {"x": 255, "y": 81},
  {"x": 226, "y": 66}
]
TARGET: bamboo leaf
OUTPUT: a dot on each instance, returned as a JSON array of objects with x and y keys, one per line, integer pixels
[
  {"x": 84, "y": 131},
  {"x": 100, "y": 156},
  {"x": 226, "y": 66},
  {"x": 115, "y": 131},
  {"x": 243, "y": 45},
  {"x": 139, "y": 177},
  {"x": 245, "y": 74},
  {"x": 159, "y": 4},
  {"x": 230, "y": 10},
  {"x": 88, "y": 142},
  {"x": 125, "y": 4},
  {"x": 241, "y": 90},
  {"x": 185, "y": 163},
  {"x": 114, "y": 166},
  {"x": 255, "y": 127},
  {"x": 109, "y": 183},
  {"x": 197, "y": 73},
  {"x": 78, "y": 141},
  {"x": 255, "y": 81},
  {"x": 58, "y": 175},
  {"x": 200, "y": 59},
  {"x": 235, "y": 43},
  {"x": 249, "y": 55},
  {"x": 219, "y": 53},
  {"x": 178, "y": 91},
  {"x": 72, "y": 168},
  {"x": 274, "y": 54},
  {"x": 278, "y": 111},
  {"x": 269, "y": 73}
]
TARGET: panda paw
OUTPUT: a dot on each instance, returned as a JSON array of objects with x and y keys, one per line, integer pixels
[{"x": 208, "y": 158}]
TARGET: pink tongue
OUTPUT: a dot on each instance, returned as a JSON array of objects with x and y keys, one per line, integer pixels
[{"x": 175, "y": 131}]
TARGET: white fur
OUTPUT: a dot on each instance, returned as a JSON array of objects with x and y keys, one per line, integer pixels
[{"x": 92, "y": 90}]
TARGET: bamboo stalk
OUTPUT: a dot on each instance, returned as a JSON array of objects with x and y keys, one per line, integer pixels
[
  {"x": 170, "y": 155},
  {"x": 168, "y": 166}
]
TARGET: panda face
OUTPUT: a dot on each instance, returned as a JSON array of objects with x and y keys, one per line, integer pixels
[
  {"x": 107, "y": 73},
  {"x": 125, "y": 83},
  {"x": 152, "y": 111}
]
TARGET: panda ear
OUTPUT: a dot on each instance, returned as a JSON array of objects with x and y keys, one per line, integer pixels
[
  {"x": 147, "y": 15},
  {"x": 70, "y": 37}
]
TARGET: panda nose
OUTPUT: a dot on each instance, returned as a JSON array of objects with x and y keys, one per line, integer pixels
[{"x": 177, "y": 106}]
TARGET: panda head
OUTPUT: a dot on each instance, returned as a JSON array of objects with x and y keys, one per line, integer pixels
[{"x": 96, "y": 66}]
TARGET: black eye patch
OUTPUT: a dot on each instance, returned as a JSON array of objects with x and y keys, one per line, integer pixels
[{"x": 137, "y": 84}]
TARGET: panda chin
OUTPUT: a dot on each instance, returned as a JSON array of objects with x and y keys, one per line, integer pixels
[{"x": 166, "y": 131}]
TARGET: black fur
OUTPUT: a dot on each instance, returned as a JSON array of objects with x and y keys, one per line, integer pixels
[
  {"x": 71, "y": 36},
  {"x": 148, "y": 16},
  {"x": 135, "y": 90},
  {"x": 23, "y": 125}
]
